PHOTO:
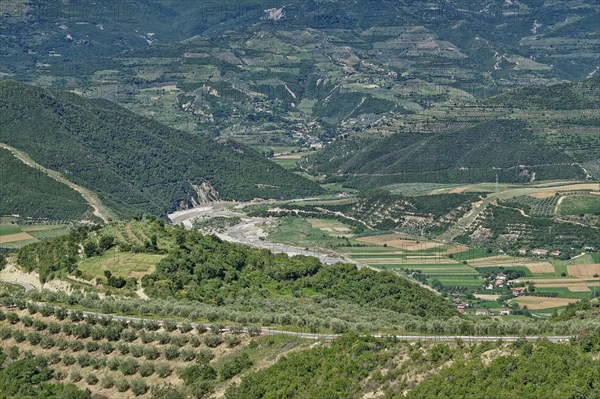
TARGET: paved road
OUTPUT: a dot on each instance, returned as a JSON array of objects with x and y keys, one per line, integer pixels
[
  {"x": 327, "y": 337},
  {"x": 27, "y": 287}
]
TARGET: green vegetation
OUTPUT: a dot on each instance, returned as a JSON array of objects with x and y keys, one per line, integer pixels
[
  {"x": 205, "y": 268},
  {"x": 340, "y": 369},
  {"x": 509, "y": 229},
  {"x": 580, "y": 204},
  {"x": 150, "y": 168},
  {"x": 31, "y": 193},
  {"x": 566, "y": 371},
  {"x": 28, "y": 378}
]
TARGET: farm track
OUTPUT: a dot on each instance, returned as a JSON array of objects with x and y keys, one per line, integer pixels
[{"x": 100, "y": 210}]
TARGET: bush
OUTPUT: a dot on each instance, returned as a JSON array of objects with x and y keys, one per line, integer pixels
[
  {"x": 75, "y": 376},
  {"x": 148, "y": 337},
  {"x": 138, "y": 387},
  {"x": 12, "y": 318},
  {"x": 34, "y": 338},
  {"x": 151, "y": 353},
  {"x": 122, "y": 385},
  {"x": 185, "y": 327},
  {"x": 235, "y": 366},
  {"x": 204, "y": 356},
  {"x": 53, "y": 358},
  {"x": 53, "y": 328},
  {"x": 27, "y": 321},
  {"x": 113, "y": 363},
  {"x": 68, "y": 360},
  {"x": 107, "y": 348},
  {"x": 163, "y": 338},
  {"x": 123, "y": 348},
  {"x": 129, "y": 366},
  {"x": 92, "y": 346},
  {"x": 76, "y": 346},
  {"x": 169, "y": 326},
  {"x": 128, "y": 336},
  {"x": 136, "y": 350},
  {"x": 171, "y": 352},
  {"x": 84, "y": 360},
  {"x": 163, "y": 370},
  {"x": 18, "y": 336},
  {"x": 107, "y": 382},
  {"x": 60, "y": 375},
  {"x": 67, "y": 329},
  {"x": 146, "y": 369},
  {"x": 91, "y": 379},
  {"x": 47, "y": 342},
  {"x": 97, "y": 333},
  {"x": 212, "y": 340},
  {"x": 187, "y": 355},
  {"x": 62, "y": 344},
  {"x": 195, "y": 341},
  {"x": 5, "y": 333},
  {"x": 232, "y": 340}
]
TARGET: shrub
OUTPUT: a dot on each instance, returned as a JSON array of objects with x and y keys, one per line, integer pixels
[
  {"x": 75, "y": 376},
  {"x": 185, "y": 327},
  {"x": 92, "y": 346},
  {"x": 53, "y": 328},
  {"x": 129, "y": 366},
  {"x": 147, "y": 337},
  {"x": 138, "y": 387},
  {"x": 128, "y": 336},
  {"x": 2, "y": 315},
  {"x": 195, "y": 341},
  {"x": 136, "y": 350},
  {"x": 18, "y": 336},
  {"x": 97, "y": 333},
  {"x": 32, "y": 308},
  {"x": 212, "y": 340},
  {"x": 151, "y": 353},
  {"x": 76, "y": 346},
  {"x": 47, "y": 310},
  {"x": 13, "y": 352},
  {"x": 60, "y": 313},
  {"x": 163, "y": 370},
  {"x": 60, "y": 375},
  {"x": 84, "y": 360},
  {"x": 204, "y": 356},
  {"x": 107, "y": 382},
  {"x": 34, "y": 338},
  {"x": 176, "y": 340},
  {"x": 62, "y": 344},
  {"x": 91, "y": 379},
  {"x": 107, "y": 348},
  {"x": 27, "y": 321},
  {"x": 146, "y": 369},
  {"x": 47, "y": 342},
  {"x": 67, "y": 329},
  {"x": 113, "y": 363},
  {"x": 68, "y": 360},
  {"x": 53, "y": 358},
  {"x": 163, "y": 338},
  {"x": 12, "y": 318},
  {"x": 171, "y": 352},
  {"x": 99, "y": 362},
  {"x": 123, "y": 348},
  {"x": 232, "y": 340},
  {"x": 169, "y": 326},
  {"x": 5, "y": 333},
  {"x": 235, "y": 366},
  {"x": 187, "y": 355},
  {"x": 122, "y": 385}
]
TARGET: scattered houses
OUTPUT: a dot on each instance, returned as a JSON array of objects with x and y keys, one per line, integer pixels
[{"x": 518, "y": 291}]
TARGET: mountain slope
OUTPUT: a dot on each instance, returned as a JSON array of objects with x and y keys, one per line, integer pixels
[
  {"x": 515, "y": 137},
  {"x": 28, "y": 192},
  {"x": 133, "y": 163}
]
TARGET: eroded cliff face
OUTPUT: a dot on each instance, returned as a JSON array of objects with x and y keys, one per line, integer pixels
[{"x": 204, "y": 193}]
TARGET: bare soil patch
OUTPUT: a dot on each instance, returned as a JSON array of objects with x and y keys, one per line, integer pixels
[
  {"x": 584, "y": 270},
  {"x": 15, "y": 238},
  {"x": 538, "y": 302},
  {"x": 396, "y": 242}
]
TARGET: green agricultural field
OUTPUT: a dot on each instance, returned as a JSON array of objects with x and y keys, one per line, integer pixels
[
  {"x": 580, "y": 204},
  {"x": 564, "y": 292},
  {"x": 7, "y": 229},
  {"x": 120, "y": 264}
]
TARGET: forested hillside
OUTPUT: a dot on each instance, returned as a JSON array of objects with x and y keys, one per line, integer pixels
[
  {"x": 507, "y": 149},
  {"x": 135, "y": 164},
  {"x": 31, "y": 193}
]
